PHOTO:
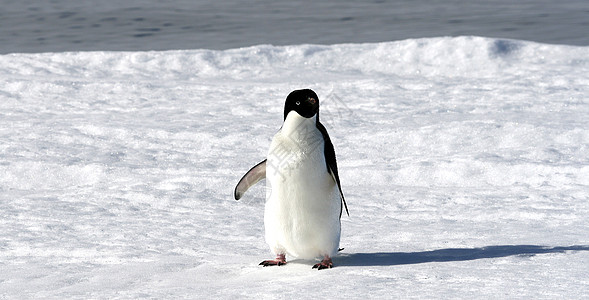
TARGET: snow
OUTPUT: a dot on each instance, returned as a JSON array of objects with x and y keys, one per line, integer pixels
[{"x": 463, "y": 161}]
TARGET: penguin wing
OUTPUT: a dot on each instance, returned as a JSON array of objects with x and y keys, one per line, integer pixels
[
  {"x": 329, "y": 153},
  {"x": 255, "y": 174}
]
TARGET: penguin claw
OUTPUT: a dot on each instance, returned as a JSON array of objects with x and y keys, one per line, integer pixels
[
  {"x": 326, "y": 263},
  {"x": 272, "y": 262},
  {"x": 279, "y": 261}
]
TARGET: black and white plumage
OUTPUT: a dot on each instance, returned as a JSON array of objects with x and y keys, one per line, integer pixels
[{"x": 304, "y": 199}]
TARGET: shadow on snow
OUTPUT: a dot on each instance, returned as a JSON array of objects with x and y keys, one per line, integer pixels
[{"x": 446, "y": 255}]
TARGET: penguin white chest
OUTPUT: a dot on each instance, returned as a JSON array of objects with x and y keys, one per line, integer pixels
[{"x": 303, "y": 205}]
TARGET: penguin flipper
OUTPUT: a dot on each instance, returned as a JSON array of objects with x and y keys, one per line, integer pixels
[
  {"x": 336, "y": 179},
  {"x": 331, "y": 162},
  {"x": 255, "y": 174}
]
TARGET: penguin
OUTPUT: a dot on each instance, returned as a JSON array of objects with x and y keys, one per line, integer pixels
[{"x": 304, "y": 198}]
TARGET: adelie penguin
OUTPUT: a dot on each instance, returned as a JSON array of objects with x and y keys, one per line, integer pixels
[{"x": 304, "y": 199}]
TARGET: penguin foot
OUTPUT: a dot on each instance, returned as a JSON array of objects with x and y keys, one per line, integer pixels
[
  {"x": 326, "y": 263},
  {"x": 279, "y": 261}
]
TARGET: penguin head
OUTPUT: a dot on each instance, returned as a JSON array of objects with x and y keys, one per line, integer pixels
[{"x": 304, "y": 102}]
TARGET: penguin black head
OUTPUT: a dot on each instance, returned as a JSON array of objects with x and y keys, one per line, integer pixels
[{"x": 304, "y": 102}]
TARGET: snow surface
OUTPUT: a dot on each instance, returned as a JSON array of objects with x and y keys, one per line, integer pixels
[{"x": 464, "y": 162}]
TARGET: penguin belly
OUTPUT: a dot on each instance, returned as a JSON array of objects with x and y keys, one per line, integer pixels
[{"x": 303, "y": 205}]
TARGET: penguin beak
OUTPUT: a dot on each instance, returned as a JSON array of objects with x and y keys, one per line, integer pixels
[{"x": 314, "y": 104}]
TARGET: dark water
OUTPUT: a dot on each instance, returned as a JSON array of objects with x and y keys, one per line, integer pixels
[{"x": 66, "y": 25}]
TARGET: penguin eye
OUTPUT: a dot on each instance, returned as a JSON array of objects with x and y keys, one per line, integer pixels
[{"x": 298, "y": 103}]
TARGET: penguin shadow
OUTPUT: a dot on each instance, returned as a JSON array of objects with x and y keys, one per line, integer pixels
[{"x": 448, "y": 255}]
